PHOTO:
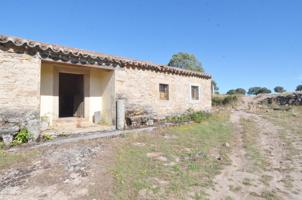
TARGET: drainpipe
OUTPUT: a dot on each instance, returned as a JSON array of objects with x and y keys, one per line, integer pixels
[{"x": 120, "y": 114}]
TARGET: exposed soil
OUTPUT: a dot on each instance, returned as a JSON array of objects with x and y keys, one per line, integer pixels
[{"x": 69, "y": 171}]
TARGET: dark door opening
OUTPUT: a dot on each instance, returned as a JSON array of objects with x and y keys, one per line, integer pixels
[{"x": 71, "y": 95}]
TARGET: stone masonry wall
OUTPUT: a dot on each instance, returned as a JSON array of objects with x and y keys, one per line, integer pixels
[
  {"x": 19, "y": 93},
  {"x": 140, "y": 88}
]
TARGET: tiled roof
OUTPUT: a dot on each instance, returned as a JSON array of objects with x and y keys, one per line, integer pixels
[{"x": 82, "y": 57}]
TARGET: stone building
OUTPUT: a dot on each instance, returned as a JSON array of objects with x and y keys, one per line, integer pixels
[{"x": 51, "y": 82}]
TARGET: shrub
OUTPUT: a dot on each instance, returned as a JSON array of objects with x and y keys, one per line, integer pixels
[
  {"x": 23, "y": 136},
  {"x": 224, "y": 100},
  {"x": 188, "y": 116},
  {"x": 239, "y": 91},
  {"x": 199, "y": 116},
  {"x": 279, "y": 89},
  {"x": 231, "y": 92},
  {"x": 299, "y": 88},
  {"x": 259, "y": 90}
]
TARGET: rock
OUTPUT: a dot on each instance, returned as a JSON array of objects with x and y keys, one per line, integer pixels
[
  {"x": 12, "y": 130},
  {"x": 154, "y": 154},
  {"x": 44, "y": 125},
  {"x": 7, "y": 139},
  {"x": 227, "y": 145},
  {"x": 168, "y": 137},
  {"x": 138, "y": 144},
  {"x": 11, "y": 121},
  {"x": 170, "y": 164},
  {"x": 162, "y": 158},
  {"x": 33, "y": 127},
  {"x": 139, "y": 116},
  {"x": 150, "y": 122}
]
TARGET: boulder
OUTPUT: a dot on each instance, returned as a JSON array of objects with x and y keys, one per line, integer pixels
[
  {"x": 7, "y": 139},
  {"x": 11, "y": 121}
]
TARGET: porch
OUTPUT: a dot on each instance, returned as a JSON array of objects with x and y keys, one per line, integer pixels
[{"x": 74, "y": 97}]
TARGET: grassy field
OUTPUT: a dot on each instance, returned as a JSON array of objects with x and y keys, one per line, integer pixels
[{"x": 174, "y": 163}]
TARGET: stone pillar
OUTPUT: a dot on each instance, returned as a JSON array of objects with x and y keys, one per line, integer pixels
[{"x": 120, "y": 114}]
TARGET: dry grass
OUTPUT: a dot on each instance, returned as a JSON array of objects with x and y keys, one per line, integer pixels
[
  {"x": 250, "y": 141},
  {"x": 182, "y": 161},
  {"x": 8, "y": 159}
]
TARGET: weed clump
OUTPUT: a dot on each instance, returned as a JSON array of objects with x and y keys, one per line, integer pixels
[
  {"x": 189, "y": 116},
  {"x": 23, "y": 136},
  {"x": 46, "y": 137}
]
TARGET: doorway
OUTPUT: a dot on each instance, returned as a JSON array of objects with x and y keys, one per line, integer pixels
[{"x": 71, "y": 95}]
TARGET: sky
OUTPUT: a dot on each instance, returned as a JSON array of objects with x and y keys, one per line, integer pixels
[{"x": 241, "y": 43}]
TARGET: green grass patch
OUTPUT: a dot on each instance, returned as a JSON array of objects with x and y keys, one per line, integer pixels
[{"x": 186, "y": 163}]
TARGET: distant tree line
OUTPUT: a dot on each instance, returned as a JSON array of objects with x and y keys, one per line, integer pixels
[{"x": 259, "y": 90}]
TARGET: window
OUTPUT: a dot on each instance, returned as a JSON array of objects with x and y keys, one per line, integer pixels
[
  {"x": 194, "y": 92},
  {"x": 163, "y": 91}
]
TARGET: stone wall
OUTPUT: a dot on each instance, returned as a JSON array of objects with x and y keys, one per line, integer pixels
[
  {"x": 19, "y": 92},
  {"x": 284, "y": 99},
  {"x": 140, "y": 88}
]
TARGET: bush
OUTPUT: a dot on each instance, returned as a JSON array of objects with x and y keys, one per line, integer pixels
[
  {"x": 189, "y": 116},
  {"x": 224, "y": 100},
  {"x": 259, "y": 90},
  {"x": 199, "y": 116},
  {"x": 23, "y": 136},
  {"x": 279, "y": 89},
  {"x": 239, "y": 91},
  {"x": 299, "y": 88}
]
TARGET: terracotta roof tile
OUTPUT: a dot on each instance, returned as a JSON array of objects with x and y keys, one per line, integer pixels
[{"x": 76, "y": 56}]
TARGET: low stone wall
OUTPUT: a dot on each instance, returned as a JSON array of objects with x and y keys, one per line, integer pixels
[
  {"x": 284, "y": 100},
  {"x": 12, "y": 121},
  {"x": 138, "y": 116}
]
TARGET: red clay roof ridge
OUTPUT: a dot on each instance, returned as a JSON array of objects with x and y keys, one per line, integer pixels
[{"x": 17, "y": 41}]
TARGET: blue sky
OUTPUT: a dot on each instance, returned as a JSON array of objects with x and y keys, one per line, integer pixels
[{"x": 242, "y": 43}]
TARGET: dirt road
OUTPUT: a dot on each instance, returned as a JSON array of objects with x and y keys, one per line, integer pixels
[{"x": 266, "y": 160}]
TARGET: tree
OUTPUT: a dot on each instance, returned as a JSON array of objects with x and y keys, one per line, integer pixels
[
  {"x": 240, "y": 91},
  {"x": 299, "y": 88},
  {"x": 279, "y": 89},
  {"x": 231, "y": 92},
  {"x": 258, "y": 90},
  {"x": 185, "y": 61},
  {"x": 215, "y": 87}
]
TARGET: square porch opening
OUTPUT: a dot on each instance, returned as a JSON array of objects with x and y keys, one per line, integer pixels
[{"x": 73, "y": 93}]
